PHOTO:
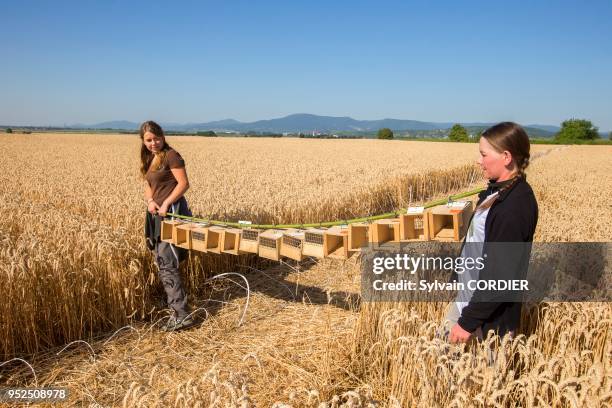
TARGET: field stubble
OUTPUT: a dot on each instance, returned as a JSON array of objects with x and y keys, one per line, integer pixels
[
  {"x": 72, "y": 247},
  {"x": 73, "y": 218},
  {"x": 563, "y": 356}
]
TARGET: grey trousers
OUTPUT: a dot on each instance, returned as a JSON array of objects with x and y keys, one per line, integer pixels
[{"x": 167, "y": 260}]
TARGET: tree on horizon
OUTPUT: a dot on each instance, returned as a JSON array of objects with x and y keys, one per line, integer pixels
[
  {"x": 385, "y": 133},
  {"x": 458, "y": 134},
  {"x": 576, "y": 130}
]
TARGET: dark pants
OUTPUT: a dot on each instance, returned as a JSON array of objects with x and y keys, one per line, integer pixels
[{"x": 167, "y": 259}]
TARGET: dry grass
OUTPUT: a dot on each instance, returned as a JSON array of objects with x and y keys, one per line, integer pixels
[
  {"x": 264, "y": 180},
  {"x": 573, "y": 187},
  {"x": 72, "y": 247},
  {"x": 72, "y": 254},
  {"x": 268, "y": 359},
  {"x": 560, "y": 364},
  {"x": 563, "y": 356}
]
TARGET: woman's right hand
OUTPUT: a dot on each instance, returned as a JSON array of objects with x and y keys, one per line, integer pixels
[{"x": 153, "y": 207}]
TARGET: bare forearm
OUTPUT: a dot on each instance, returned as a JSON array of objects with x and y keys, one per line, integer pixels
[{"x": 177, "y": 193}]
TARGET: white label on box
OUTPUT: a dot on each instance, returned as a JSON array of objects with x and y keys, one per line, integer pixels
[
  {"x": 415, "y": 210},
  {"x": 457, "y": 204},
  {"x": 245, "y": 222}
]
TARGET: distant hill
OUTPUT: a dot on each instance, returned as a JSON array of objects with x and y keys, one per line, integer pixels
[
  {"x": 115, "y": 124},
  {"x": 307, "y": 123},
  {"x": 549, "y": 128},
  {"x": 532, "y": 131}
]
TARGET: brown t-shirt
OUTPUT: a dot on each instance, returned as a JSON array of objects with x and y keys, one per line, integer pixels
[{"x": 162, "y": 181}]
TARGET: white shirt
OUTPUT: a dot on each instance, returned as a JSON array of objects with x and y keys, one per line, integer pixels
[{"x": 475, "y": 234}]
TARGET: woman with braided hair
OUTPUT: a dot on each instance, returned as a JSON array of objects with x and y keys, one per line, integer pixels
[{"x": 506, "y": 212}]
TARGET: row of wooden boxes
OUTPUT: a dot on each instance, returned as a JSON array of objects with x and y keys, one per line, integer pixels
[{"x": 442, "y": 223}]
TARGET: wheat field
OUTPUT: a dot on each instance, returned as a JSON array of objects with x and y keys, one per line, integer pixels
[
  {"x": 564, "y": 356},
  {"x": 75, "y": 266},
  {"x": 72, "y": 233}
]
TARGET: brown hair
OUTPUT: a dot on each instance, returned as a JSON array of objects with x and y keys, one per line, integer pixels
[
  {"x": 512, "y": 137},
  {"x": 147, "y": 158}
]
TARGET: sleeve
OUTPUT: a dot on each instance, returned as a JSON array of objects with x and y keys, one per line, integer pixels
[
  {"x": 174, "y": 160},
  {"x": 506, "y": 254}
]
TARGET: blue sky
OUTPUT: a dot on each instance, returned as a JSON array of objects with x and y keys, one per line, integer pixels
[{"x": 87, "y": 61}]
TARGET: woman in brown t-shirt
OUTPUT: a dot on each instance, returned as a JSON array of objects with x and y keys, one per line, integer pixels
[{"x": 166, "y": 181}]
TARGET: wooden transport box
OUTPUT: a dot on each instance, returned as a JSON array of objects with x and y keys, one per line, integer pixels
[{"x": 449, "y": 223}]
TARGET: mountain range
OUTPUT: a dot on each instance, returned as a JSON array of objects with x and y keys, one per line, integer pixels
[{"x": 302, "y": 122}]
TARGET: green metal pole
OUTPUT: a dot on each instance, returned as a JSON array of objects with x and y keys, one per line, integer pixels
[{"x": 326, "y": 223}]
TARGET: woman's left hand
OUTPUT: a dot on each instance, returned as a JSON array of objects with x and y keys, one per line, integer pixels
[
  {"x": 458, "y": 335},
  {"x": 163, "y": 210}
]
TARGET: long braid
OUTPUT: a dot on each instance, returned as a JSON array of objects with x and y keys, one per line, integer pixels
[{"x": 523, "y": 165}]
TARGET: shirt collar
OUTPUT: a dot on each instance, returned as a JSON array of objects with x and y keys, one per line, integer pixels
[{"x": 495, "y": 185}]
